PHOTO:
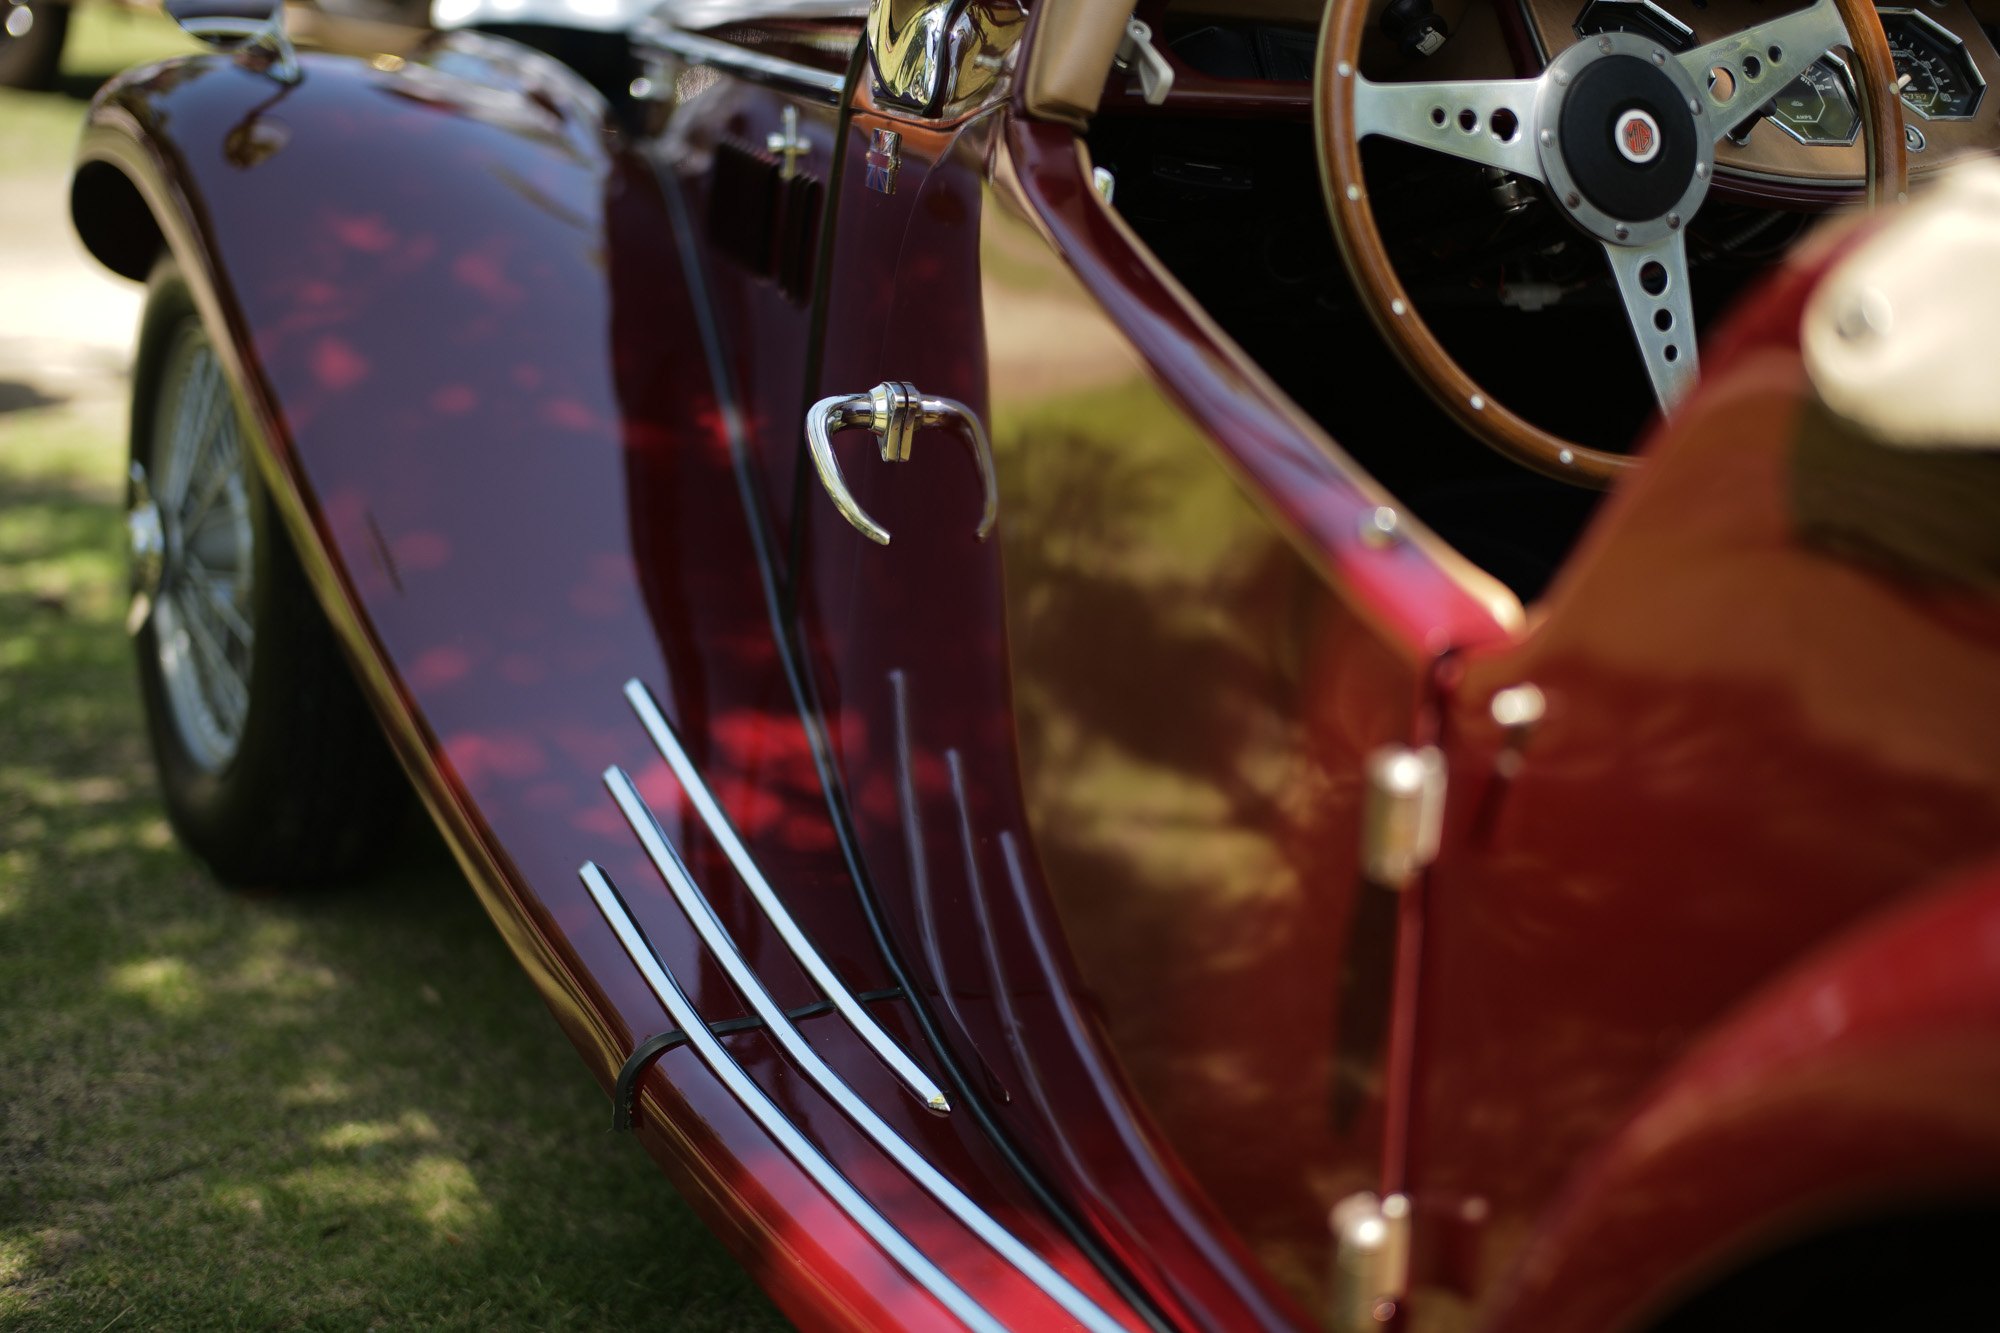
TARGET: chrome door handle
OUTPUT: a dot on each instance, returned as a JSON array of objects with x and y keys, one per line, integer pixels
[{"x": 894, "y": 410}]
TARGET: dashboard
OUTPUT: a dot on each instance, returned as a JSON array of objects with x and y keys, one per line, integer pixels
[
  {"x": 1798, "y": 144},
  {"x": 1805, "y": 131}
]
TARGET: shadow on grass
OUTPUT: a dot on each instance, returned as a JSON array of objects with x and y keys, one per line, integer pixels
[
  {"x": 244, "y": 1110},
  {"x": 17, "y": 397}
]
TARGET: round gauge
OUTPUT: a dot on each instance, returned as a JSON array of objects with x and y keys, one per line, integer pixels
[
  {"x": 1818, "y": 106},
  {"x": 1642, "y": 18},
  {"x": 1936, "y": 74}
]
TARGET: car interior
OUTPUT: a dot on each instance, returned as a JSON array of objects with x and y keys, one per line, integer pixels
[
  {"x": 1223, "y": 181},
  {"x": 1524, "y": 301}
]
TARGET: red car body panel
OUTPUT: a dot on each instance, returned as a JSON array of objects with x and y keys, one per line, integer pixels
[
  {"x": 529, "y": 451},
  {"x": 539, "y": 506},
  {"x": 480, "y": 720},
  {"x": 1864, "y": 1080},
  {"x": 1750, "y": 745}
]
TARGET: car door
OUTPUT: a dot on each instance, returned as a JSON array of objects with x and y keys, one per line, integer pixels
[{"x": 1104, "y": 767}]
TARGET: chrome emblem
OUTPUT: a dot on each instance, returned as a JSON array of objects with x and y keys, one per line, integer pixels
[{"x": 1638, "y": 137}]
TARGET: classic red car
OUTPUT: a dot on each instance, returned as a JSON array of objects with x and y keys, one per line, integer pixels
[{"x": 1041, "y": 626}]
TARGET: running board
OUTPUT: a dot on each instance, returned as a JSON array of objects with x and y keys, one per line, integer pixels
[
  {"x": 774, "y": 1019},
  {"x": 810, "y": 959},
  {"x": 782, "y": 1131}
]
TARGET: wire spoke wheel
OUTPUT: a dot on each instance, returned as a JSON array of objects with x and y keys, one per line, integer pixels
[
  {"x": 271, "y": 767},
  {"x": 202, "y": 610}
]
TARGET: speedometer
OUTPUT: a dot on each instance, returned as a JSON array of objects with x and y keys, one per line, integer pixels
[{"x": 1933, "y": 70}]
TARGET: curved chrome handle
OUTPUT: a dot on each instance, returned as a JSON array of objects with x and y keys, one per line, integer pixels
[{"x": 894, "y": 410}]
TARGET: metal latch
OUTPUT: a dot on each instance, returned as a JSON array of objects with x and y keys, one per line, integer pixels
[
  {"x": 1156, "y": 76},
  {"x": 894, "y": 410},
  {"x": 1371, "y": 1261},
  {"x": 1403, "y": 822}
]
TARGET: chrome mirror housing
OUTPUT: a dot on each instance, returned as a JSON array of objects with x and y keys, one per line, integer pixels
[
  {"x": 241, "y": 25},
  {"x": 938, "y": 57}
]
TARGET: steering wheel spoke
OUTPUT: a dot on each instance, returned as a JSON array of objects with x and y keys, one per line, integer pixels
[
  {"x": 1653, "y": 281},
  {"x": 1491, "y": 122},
  {"x": 1742, "y": 71},
  {"x": 1621, "y": 136}
]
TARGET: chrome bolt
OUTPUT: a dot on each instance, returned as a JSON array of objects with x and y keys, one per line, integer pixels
[
  {"x": 1571, "y": 199},
  {"x": 1519, "y": 705},
  {"x": 1865, "y": 314},
  {"x": 1622, "y": 232},
  {"x": 1701, "y": 170},
  {"x": 1673, "y": 222},
  {"x": 1381, "y": 527}
]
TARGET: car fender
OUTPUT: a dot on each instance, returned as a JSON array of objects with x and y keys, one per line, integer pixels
[
  {"x": 411, "y": 267},
  {"x": 455, "y": 305},
  {"x": 1864, "y": 1081},
  {"x": 185, "y": 157}
]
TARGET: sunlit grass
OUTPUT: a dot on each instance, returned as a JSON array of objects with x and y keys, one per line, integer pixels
[
  {"x": 105, "y": 38},
  {"x": 226, "y": 1110},
  {"x": 230, "y": 1110}
]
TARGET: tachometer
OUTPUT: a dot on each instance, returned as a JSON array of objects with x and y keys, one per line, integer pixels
[{"x": 1935, "y": 73}]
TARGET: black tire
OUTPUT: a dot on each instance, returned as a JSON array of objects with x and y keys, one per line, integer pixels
[
  {"x": 30, "y": 57},
  {"x": 271, "y": 766}
]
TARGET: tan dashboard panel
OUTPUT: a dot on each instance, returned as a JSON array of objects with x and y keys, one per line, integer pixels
[{"x": 1769, "y": 151}]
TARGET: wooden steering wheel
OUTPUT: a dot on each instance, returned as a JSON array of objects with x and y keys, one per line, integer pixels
[{"x": 1621, "y": 136}]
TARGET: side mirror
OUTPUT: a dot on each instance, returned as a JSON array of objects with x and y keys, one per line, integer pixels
[
  {"x": 935, "y": 57},
  {"x": 241, "y": 25}
]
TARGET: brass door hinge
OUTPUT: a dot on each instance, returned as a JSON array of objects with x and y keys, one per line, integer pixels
[
  {"x": 1371, "y": 1261},
  {"x": 1403, "y": 822}
]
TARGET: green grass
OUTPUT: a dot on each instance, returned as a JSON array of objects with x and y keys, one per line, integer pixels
[
  {"x": 223, "y": 1110},
  {"x": 105, "y": 38}
]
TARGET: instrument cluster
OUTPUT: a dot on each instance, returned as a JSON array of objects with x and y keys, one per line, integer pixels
[{"x": 1806, "y": 132}]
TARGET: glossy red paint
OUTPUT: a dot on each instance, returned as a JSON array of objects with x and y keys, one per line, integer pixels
[
  {"x": 506, "y": 465},
  {"x": 1750, "y": 745},
  {"x": 1424, "y": 598},
  {"x": 767, "y": 331},
  {"x": 909, "y": 653},
  {"x": 1865, "y": 1079},
  {"x": 461, "y": 314},
  {"x": 1192, "y": 702},
  {"x": 931, "y": 786}
]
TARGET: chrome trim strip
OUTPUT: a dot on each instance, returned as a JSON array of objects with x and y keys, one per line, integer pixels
[
  {"x": 1057, "y": 1208},
  {"x": 1141, "y": 1152},
  {"x": 787, "y": 1136},
  {"x": 914, "y": 1164},
  {"x": 823, "y": 85},
  {"x": 816, "y": 967},
  {"x": 913, "y": 842},
  {"x": 1003, "y": 993}
]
